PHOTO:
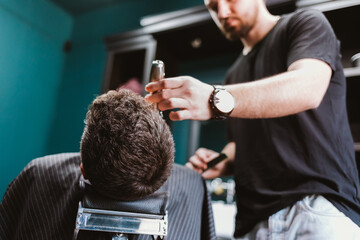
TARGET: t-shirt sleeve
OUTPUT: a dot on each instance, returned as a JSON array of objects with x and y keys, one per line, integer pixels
[{"x": 311, "y": 36}]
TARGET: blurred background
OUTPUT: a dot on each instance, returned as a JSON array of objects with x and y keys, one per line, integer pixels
[{"x": 57, "y": 55}]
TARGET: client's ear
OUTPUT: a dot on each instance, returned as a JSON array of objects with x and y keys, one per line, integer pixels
[{"x": 82, "y": 170}]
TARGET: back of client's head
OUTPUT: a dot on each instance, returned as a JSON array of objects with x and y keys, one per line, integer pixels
[{"x": 127, "y": 149}]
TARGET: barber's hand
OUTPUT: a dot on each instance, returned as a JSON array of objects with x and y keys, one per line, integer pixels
[
  {"x": 198, "y": 162},
  {"x": 188, "y": 94}
]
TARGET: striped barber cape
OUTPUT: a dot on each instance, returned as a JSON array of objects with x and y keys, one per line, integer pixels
[{"x": 42, "y": 201}]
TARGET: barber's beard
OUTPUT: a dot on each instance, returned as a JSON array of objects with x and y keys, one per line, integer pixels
[{"x": 233, "y": 34}]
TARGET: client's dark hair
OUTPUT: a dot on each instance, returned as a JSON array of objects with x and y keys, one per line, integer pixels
[{"x": 127, "y": 149}]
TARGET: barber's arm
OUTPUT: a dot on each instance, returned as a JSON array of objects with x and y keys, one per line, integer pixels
[{"x": 300, "y": 88}]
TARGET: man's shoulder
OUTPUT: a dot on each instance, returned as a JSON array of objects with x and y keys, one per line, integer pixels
[
  {"x": 49, "y": 185},
  {"x": 54, "y": 159},
  {"x": 184, "y": 180},
  {"x": 180, "y": 171},
  {"x": 304, "y": 13},
  {"x": 59, "y": 164},
  {"x": 307, "y": 16}
]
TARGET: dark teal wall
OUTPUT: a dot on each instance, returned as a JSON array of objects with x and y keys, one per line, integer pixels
[{"x": 32, "y": 34}]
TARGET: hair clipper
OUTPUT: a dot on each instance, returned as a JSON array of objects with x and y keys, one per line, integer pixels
[{"x": 157, "y": 73}]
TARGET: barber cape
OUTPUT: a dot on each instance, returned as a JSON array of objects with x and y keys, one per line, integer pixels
[{"x": 42, "y": 201}]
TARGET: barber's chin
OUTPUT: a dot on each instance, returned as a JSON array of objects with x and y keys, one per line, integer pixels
[
  {"x": 231, "y": 36},
  {"x": 234, "y": 34}
]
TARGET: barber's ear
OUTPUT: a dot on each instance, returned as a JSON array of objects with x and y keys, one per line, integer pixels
[{"x": 82, "y": 170}]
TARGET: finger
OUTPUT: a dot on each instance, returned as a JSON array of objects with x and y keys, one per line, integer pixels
[
  {"x": 202, "y": 153},
  {"x": 180, "y": 115},
  {"x": 167, "y": 83},
  {"x": 159, "y": 96},
  {"x": 156, "y": 97},
  {"x": 185, "y": 114},
  {"x": 206, "y": 154},
  {"x": 197, "y": 162},
  {"x": 210, "y": 174},
  {"x": 153, "y": 97},
  {"x": 189, "y": 165},
  {"x": 173, "y": 103}
]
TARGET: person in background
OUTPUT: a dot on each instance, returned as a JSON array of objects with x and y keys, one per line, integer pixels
[
  {"x": 126, "y": 153},
  {"x": 290, "y": 147}
]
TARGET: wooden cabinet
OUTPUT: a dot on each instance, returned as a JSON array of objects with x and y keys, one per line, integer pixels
[{"x": 128, "y": 58}]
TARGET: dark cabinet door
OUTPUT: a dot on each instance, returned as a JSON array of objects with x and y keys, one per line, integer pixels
[{"x": 129, "y": 61}]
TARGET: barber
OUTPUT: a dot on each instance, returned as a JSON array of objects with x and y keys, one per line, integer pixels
[{"x": 291, "y": 150}]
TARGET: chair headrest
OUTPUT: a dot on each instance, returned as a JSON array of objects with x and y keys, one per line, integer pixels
[{"x": 153, "y": 204}]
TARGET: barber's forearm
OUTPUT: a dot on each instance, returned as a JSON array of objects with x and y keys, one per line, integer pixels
[
  {"x": 297, "y": 90},
  {"x": 229, "y": 150},
  {"x": 268, "y": 98}
]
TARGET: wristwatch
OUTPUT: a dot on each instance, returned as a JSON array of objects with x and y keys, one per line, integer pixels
[{"x": 221, "y": 102}]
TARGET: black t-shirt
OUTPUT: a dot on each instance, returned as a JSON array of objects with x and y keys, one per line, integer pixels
[{"x": 280, "y": 160}]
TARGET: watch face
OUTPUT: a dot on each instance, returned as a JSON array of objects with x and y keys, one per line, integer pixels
[{"x": 224, "y": 101}]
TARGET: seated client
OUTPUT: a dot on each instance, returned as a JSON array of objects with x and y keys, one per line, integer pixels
[{"x": 126, "y": 153}]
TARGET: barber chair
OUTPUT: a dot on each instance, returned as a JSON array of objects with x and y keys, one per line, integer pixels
[{"x": 100, "y": 217}]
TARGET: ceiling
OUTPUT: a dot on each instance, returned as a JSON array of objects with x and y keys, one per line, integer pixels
[{"x": 78, "y": 7}]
